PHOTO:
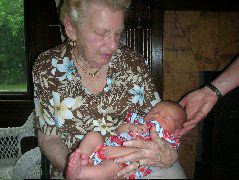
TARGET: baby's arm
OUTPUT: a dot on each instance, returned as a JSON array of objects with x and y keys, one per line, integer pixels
[{"x": 136, "y": 129}]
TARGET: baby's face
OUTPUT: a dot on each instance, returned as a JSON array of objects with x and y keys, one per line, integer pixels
[{"x": 166, "y": 115}]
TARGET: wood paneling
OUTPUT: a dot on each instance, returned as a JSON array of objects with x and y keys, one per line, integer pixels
[{"x": 144, "y": 34}]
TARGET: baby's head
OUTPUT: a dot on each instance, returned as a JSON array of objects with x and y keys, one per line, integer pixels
[{"x": 169, "y": 114}]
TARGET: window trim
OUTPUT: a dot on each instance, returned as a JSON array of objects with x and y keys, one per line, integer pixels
[{"x": 28, "y": 95}]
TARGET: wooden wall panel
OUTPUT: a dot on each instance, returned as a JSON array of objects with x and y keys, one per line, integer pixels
[{"x": 143, "y": 33}]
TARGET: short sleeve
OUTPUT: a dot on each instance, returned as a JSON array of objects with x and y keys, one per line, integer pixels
[{"x": 43, "y": 97}]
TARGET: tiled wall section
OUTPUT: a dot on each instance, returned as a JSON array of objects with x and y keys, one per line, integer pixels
[{"x": 195, "y": 41}]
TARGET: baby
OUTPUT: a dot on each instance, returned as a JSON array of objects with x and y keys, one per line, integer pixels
[{"x": 166, "y": 116}]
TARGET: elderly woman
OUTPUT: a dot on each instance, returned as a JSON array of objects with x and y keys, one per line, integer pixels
[{"x": 90, "y": 83}]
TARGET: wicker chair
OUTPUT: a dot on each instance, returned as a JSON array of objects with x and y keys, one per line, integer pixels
[{"x": 14, "y": 164}]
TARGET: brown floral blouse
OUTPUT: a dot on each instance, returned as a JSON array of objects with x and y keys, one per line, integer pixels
[{"x": 66, "y": 108}]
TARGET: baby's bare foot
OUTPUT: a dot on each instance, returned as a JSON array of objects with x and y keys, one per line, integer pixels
[{"x": 74, "y": 168}]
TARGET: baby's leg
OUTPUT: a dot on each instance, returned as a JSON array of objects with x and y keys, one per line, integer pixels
[{"x": 91, "y": 141}]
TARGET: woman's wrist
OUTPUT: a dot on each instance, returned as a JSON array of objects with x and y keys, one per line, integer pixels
[
  {"x": 208, "y": 94},
  {"x": 215, "y": 90}
]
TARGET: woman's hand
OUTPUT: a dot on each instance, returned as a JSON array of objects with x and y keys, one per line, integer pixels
[
  {"x": 197, "y": 105},
  {"x": 149, "y": 153}
]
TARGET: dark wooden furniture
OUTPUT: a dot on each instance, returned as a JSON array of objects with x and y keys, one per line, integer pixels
[{"x": 144, "y": 33}]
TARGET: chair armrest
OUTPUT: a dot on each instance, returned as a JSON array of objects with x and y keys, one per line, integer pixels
[{"x": 28, "y": 166}]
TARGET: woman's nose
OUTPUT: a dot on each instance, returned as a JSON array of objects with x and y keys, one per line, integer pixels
[{"x": 113, "y": 42}]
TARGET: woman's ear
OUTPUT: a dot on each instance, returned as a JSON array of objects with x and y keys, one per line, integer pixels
[{"x": 70, "y": 30}]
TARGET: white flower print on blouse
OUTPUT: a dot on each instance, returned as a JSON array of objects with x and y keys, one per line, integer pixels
[
  {"x": 54, "y": 64},
  {"x": 79, "y": 101},
  {"x": 108, "y": 84},
  {"x": 138, "y": 93},
  {"x": 79, "y": 136},
  {"x": 68, "y": 67},
  {"x": 61, "y": 109},
  {"x": 157, "y": 99},
  {"x": 102, "y": 126},
  {"x": 43, "y": 116}
]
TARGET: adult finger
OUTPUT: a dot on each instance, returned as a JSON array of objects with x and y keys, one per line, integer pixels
[
  {"x": 113, "y": 151},
  {"x": 183, "y": 102},
  {"x": 177, "y": 134},
  {"x": 131, "y": 168},
  {"x": 154, "y": 135},
  {"x": 136, "y": 143},
  {"x": 186, "y": 129},
  {"x": 132, "y": 157},
  {"x": 199, "y": 115}
]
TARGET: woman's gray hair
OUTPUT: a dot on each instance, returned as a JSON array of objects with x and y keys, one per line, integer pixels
[{"x": 77, "y": 10}]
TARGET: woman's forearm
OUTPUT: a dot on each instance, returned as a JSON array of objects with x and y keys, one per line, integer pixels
[
  {"x": 55, "y": 151},
  {"x": 229, "y": 79}
]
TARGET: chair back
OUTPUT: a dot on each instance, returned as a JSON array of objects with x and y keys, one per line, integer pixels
[
  {"x": 10, "y": 141},
  {"x": 13, "y": 163}
]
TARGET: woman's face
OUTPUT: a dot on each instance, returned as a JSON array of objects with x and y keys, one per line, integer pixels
[{"x": 99, "y": 34}]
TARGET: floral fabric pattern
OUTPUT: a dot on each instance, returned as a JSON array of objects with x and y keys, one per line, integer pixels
[{"x": 66, "y": 108}]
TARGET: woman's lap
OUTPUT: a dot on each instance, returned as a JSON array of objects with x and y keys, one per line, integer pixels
[{"x": 174, "y": 172}]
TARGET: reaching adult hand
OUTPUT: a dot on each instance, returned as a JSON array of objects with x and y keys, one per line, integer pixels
[
  {"x": 149, "y": 153},
  {"x": 197, "y": 105}
]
